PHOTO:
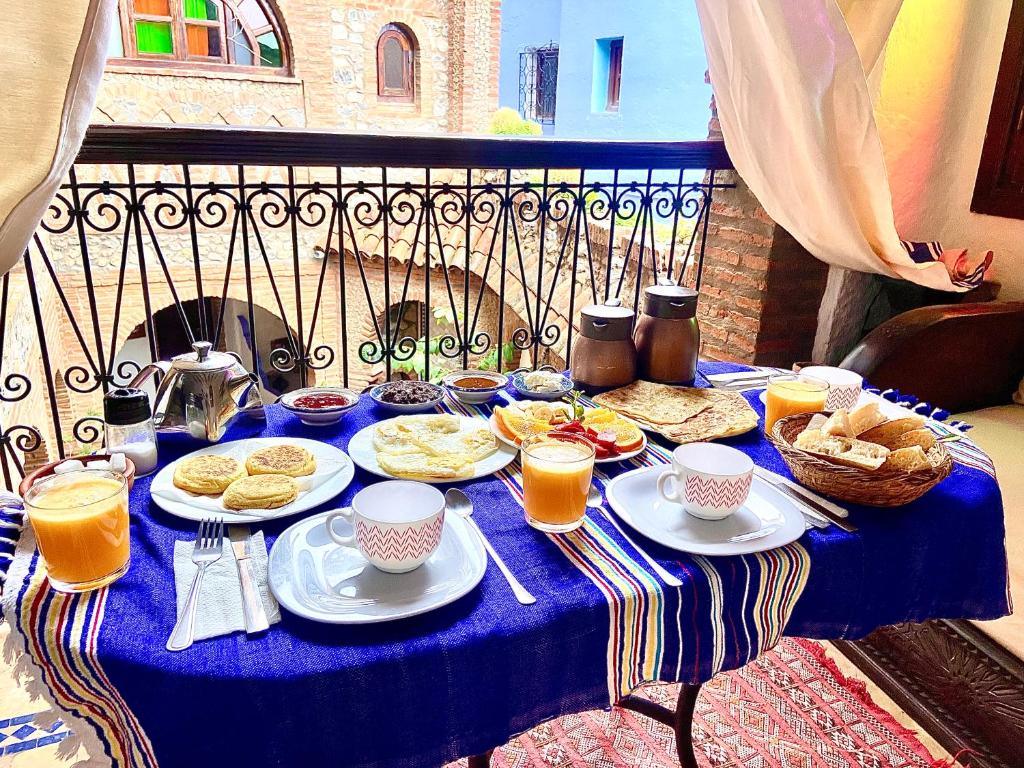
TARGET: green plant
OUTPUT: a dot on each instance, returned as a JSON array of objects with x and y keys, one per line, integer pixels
[
  {"x": 489, "y": 362},
  {"x": 507, "y": 122}
]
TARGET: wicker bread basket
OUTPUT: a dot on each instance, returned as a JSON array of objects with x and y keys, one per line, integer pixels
[{"x": 878, "y": 488}]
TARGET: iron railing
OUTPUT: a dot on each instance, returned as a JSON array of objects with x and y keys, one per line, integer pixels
[{"x": 327, "y": 257}]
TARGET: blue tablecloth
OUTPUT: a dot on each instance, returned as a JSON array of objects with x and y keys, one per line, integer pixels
[{"x": 463, "y": 679}]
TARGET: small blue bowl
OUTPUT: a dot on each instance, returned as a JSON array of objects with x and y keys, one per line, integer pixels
[
  {"x": 407, "y": 407},
  {"x": 521, "y": 388}
]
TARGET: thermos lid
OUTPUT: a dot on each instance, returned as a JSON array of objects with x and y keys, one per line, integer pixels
[
  {"x": 203, "y": 358},
  {"x": 669, "y": 300},
  {"x": 607, "y": 322},
  {"x": 124, "y": 405}
]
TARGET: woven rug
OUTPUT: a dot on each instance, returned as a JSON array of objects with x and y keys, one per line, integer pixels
[{"x": 792, "y": 708}]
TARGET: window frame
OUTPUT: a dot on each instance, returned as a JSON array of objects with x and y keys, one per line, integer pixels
[
  {"x": 180, "y": 58},
  {"x": 994, "y": 193},
  {"x": 407, "y": 93},
  {"x": 614, "y": 93}
]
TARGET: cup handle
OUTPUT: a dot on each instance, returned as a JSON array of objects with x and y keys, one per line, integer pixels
[
  {"x": 663, "y": 480},
  {"x": 346, "y": 514}
]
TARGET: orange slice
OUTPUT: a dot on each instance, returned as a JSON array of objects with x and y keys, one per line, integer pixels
[
  {"x": 628, "y": 436},
  {"x": 517, "y": 426}
]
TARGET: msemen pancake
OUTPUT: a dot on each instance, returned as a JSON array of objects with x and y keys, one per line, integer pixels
[
  {"x": 286, "y": 459},
  {"x": 261, "y": 492},
  {"x": 207, "y": 473}
]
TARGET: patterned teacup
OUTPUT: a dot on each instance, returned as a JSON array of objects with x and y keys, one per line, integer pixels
[
  {"x": 711, "y": 481},
  {"x": 843, "y": 386},
  {"x": 396, "y": 524}
]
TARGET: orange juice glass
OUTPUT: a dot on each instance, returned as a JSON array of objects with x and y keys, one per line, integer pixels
[
  {"x": 789, "y": 394},
  {"x": 81, "y": 524},
  {"x": 557, "y": 471}
]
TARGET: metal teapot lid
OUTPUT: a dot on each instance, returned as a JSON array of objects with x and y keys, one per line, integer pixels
[
  {"x": 203, "y": 358},
  {"x": 608, "y": 322},
  {"x": 670, "y": 300}
]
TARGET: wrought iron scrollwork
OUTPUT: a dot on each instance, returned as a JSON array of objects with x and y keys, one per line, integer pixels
[{"x": 335, "y": 272}]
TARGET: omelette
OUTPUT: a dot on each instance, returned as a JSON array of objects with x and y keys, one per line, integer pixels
[{"x": 431, "y": 446}]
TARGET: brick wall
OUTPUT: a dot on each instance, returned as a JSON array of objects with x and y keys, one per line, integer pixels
[
  {"x": 334, "y": 82},
  {"x": 761, "y": 290}
]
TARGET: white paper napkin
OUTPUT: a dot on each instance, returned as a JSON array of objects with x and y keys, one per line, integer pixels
[{"x": 219, "y": 611}]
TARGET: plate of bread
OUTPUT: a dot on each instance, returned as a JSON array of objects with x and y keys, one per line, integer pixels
[
  {"x": 682, "y": 414},
  {"x": 431, "y": 448},
  {"x": 246, "y": 481},
  {"x": 864, "y": 455},
  {"x": 616, "y": 438}
]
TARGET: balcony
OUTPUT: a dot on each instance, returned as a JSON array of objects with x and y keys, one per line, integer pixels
[{"x": 326, "y": 258}]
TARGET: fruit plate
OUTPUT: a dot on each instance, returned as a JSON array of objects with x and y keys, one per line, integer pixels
[
  {"x": 621, "y": 457},
  {"x": 362, "y": 452}
]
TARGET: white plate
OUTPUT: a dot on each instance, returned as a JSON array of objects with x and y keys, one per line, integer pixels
[
  {"x": 315, "y": 578},
  {"x": 163, "y": 484},
  {"x": 621, "y": 457},
  {"x": 360, "y": 448},
  {"x": 767, "y": 520}
]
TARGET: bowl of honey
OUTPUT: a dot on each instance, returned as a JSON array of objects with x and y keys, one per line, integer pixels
[{"x": 474, "y": 387}]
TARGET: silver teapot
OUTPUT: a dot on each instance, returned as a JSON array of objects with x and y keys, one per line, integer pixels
[{"x": 202, "y": 392}]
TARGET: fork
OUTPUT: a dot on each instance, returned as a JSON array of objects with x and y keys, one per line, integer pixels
[{"x": 208, "y": 548}]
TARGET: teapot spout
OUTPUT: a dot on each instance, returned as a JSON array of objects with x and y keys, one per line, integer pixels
[{"x": 245, "y": 388}]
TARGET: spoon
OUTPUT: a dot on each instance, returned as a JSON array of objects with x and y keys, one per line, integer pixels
[
  {"x": 594, "y": 500},
  {"x": 459, "y": 503}
]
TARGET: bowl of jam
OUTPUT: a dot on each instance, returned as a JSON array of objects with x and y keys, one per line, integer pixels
[
  {"x": 474, "y": 387},
  {"x": 319, "y": 406},
  {"x": 407, "y": 396}
]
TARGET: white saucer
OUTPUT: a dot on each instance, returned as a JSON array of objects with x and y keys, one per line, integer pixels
[
  {"x": 767, "y": 520},
  {"x": 362, "y": 452},
  {"x": 317, "y": 579}
]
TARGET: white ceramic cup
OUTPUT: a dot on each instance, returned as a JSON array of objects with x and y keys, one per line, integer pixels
[
  {"x": 843, "y": 386},
  {"x": 711, "y": 481},
  {"x": 396, "y": 524}
]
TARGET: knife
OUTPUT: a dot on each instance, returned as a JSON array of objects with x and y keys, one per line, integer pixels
[
  {"x": 252, "y": 603},
  {"x": 816, "y": 509}
]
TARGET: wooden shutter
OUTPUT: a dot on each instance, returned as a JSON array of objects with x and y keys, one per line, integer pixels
[{"x": 999, "y": 189}]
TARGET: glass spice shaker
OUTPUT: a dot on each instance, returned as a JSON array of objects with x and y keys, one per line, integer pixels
[{"x": 129, "y": 427}]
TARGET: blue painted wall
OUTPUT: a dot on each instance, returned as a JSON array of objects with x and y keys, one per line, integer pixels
[{"x": 663, "y": 94}]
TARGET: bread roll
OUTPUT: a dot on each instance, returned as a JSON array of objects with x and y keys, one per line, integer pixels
[
  {"x": 864, "y": 418},
  {"x": 886, "y": 433},
  {"x": 842, "y": 450},
  {"x": 911, "y": 459},
  {"x": 838, "y": 424},
  {"x": 923, "y": 437}
]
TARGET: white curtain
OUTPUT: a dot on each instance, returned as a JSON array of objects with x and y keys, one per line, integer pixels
[
  {"x": 51, "y": 63},
  {"x": 796, "y": 111}
]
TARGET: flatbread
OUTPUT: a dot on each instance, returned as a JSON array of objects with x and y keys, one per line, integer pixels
[
  {"x": 656, "y": 403},
  {"x": 721, "y": 414}
]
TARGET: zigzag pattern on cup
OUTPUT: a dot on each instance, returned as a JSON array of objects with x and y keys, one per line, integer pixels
[
  {"x": 717, "y": 492},
  {"x": 842, "y": 397},
  {"x": 385, "y": 542}
]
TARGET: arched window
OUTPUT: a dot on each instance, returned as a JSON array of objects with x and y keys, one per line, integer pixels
[
  {"x": 201, "y": 33},
  {"x": 396, "y": 64}
]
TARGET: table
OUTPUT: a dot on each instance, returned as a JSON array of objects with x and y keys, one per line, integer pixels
[{"x": 463, "y": 679}]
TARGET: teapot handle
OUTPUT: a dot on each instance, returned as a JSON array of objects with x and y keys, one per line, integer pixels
[{"x": 162, "y": 367}]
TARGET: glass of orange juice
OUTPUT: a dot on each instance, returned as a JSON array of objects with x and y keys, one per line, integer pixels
[
  {"x": 557, "y": 471},
  {"x": 789, "y": 394},
  {"x": 81, "y": 524}
]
